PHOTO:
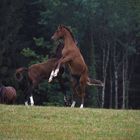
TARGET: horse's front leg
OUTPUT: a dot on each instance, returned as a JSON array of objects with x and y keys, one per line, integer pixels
[
  {"x": 51, "y": 76},
  {"x": 62, "y": 61},
  {"x": 58, "y": 67},
  {"x": 53, "y": 73}
]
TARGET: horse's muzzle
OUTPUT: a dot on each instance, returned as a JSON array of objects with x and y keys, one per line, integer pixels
[{"x": 54, "y": 38}]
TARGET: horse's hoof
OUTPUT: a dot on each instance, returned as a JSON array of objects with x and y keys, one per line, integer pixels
[
  {"x": 56, "y": 72},
  {"x": 82, "y": 106},
  {"x": 50, "y": 79},
  {"x": 26, "y": 103},
  {"x": 73, "y": 104}
]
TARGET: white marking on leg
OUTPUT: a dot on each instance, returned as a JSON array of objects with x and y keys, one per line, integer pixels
[
  {"x": 56, "y": 72},
  {"x": 65, "y": 99},
  {"x": 73, "y": 104},
  {"x": 31, "y": 100},
  {"x": 51, "y": 76},
  {"x": 81, "y": 106},
  {"x": 26, "y": 103}
]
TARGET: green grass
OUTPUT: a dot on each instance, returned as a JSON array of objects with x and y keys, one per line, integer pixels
[{"x": 57, "y": 123}]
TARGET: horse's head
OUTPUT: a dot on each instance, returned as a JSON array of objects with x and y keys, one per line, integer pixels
[{"x": 59, "y": 33}]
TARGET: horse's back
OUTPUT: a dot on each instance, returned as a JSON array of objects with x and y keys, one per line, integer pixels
[
  {"x": 46, "y": 64},
  {"x": 42, "y": 69}
]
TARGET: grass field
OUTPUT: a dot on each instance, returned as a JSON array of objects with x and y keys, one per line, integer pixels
[{"x": 57, "y": 123}]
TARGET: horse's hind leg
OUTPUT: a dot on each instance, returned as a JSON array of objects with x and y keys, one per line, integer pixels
[
  {"x": 31, "y": 96},
  {"x": 28, "y": 95},
  {"x": 73, "y": 99},
  {"x": 82, "y": 94},
  {"x": 75, "y": 92},
  {"x": 26, "y": 98},
  {"x": 82, "y": 89},
  {"x": 79, "y": 90},
  {"x": 63, "y": 90},
  {"x": 31, "y": 100}
]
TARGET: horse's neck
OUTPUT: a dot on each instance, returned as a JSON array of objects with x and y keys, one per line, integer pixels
[{"x": 68, "y": 41}]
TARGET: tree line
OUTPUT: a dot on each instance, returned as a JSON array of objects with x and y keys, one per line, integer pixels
[{"x": 107, "y": 33}]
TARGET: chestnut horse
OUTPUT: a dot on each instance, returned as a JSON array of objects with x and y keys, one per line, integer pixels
[
  {"x": 7, "y": 95},
  {"x": 72, "y": 57},
  {"x": 39, "y": 72}
]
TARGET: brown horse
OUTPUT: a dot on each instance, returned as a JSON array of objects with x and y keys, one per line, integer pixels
[
  {"x": 39, "y": 72},
  {"x": 36, "y": 74},
  {"x": 7, "y": 95},
  {"x": 72, "y": 57}
]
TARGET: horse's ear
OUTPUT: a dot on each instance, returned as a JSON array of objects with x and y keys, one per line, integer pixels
[{"x": 61, "y": 26}]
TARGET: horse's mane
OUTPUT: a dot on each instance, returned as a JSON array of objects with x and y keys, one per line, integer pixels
[{"x": 69, "y": 30}]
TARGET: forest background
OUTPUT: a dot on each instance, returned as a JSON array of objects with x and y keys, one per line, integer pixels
[{"x": 108, "y": 35}]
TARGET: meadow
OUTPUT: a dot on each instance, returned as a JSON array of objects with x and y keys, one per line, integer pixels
[{"x": 59, "y": 123}]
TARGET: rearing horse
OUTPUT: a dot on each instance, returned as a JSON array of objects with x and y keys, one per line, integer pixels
[{"x": 72, "y": 56}]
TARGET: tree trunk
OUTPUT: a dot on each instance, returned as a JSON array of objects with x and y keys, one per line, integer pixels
[
  {"x": 124, "y": 94},
  {"x": 125, "y": 82},
  {"x": 111, "y": 89},
  {"x": 115, "y": 76},
  {"x": 116, "y": 89},
  {"x": 104, "y": 79},
  {"x": 105, "y": 64}
]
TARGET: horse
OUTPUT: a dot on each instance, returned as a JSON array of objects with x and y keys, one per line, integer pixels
[
  {"x": 36, "y": 73},
  {"x": 7, "y": 94},
  {"x": 72, "y": 57}
]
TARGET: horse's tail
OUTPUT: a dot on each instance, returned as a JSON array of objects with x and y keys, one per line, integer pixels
[
  {"x": 94, "y": 82},
  {"x": 19, "y": 73}
]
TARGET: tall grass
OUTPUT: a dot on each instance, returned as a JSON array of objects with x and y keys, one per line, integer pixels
[{"x": 55, "y": 123}]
